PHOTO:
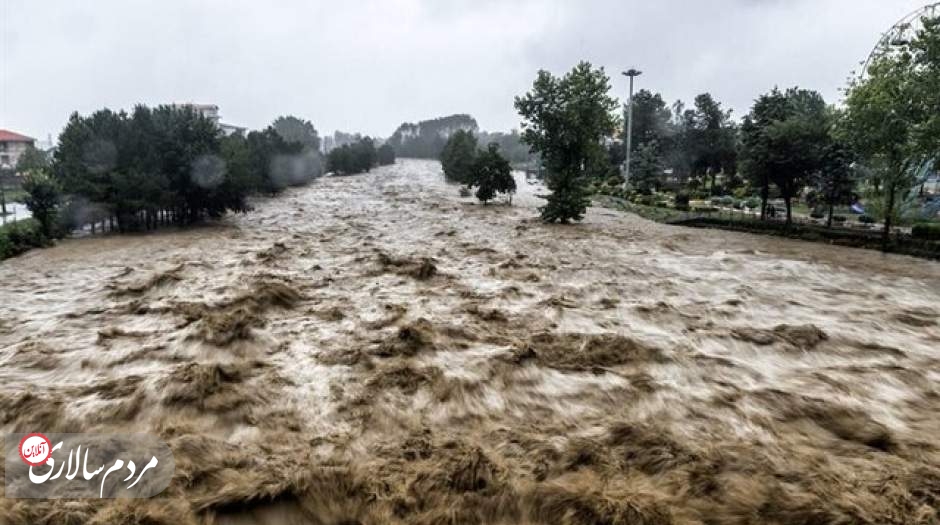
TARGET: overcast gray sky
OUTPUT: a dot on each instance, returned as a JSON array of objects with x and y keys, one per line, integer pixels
[{"x": 370, "y": 65}]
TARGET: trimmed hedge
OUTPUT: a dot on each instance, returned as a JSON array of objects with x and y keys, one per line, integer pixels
[
  {"x": 926, "y": 231},
  {"x": 898, "y": 243},
  {"x": 19, "y": 237}
]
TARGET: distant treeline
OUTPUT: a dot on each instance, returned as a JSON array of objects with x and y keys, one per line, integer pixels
[{"x": 426, "y": 139}]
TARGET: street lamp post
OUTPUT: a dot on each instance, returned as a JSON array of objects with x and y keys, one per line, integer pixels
[{"x": 626, "y": 171}]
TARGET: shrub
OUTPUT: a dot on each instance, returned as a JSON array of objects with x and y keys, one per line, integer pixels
[
  {"x": 752, "y": 203},
  {"x": 818, "y": 214},
  {"x": 866, "y": 219},
  {"x": 704, "y": 209},
  {"x": 350, "y": 159},
  {"x": 927, "y": 231},
  {"x": 21, "y": 236},
  {"x": 838, "y": 218},
  {"x": 715, "y": 200},
  {"x": 465, "y": 191},
  {"x": 42, "y": 199},
  {"x": 727, "y": 200},
  {"x": 738, "y": 205},
  {"x": 491, "y": 174},
  {"x": 386, "y": 155},
  {"x": 682, "y": 199}
]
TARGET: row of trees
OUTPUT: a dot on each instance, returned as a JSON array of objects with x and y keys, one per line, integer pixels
[
  {"x": 426, "y": 139},
  {"x": 163, "y": 165},
  {"x": 790, "y": 141},
  {"x": 359, "y": 157},
  {"x": 488, "y": 171},
  {"x": 695, "y": 144}
]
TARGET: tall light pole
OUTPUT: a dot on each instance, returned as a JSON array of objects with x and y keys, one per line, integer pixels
[{"x": 629, "y": 73}]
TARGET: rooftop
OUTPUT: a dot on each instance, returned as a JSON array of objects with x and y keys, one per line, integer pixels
[{"x": 9, "y": 136}]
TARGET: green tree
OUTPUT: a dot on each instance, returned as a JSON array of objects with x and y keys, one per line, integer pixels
[
  {"x": 491, "y": 174},
  {"x": 31, "y": 160},
  {"x": 510, "y": 145},
  {"x": 426, "y": 139},
  {"x": 458, "y": 156},
  {"x": 42, "y": 199},
  {"x": 651, "y": 120},
  {"x": 349, "y": 159},
  {"x": 152, "y": 166},
  {"x": 891, "y": 121},
  {"x": 296, "y": 130},
  {"x": 304, "y": 163},
  {"x": 565, "y": 120},
  {"x": 836, "y": 179},
  {"x": 386, "y": 155},
  {"x": 783, "y": 141},
  {"x": 646, "y": 168},
  {"x": 705, "y": 142}
]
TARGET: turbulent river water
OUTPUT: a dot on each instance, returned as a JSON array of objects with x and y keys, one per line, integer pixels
[{"x": 375, "y": 349}]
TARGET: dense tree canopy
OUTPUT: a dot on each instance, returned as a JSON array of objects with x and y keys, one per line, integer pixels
[
  {"x": 651, "y": 120},
  {"x": 170, "y": 164},
  {"x": 349, "y": 159},
  {"x": 458, "y": 156},
  {"x": 386, "y": 155},
  {"x": 426, "y": 139},
  {"x": 646, "y": 168},
  {"x": 709, "y": 137},
  {"x": 150, "y": 163},
  {"x": 564, "y": 121},
  {"x": 891, "y": 117},
  {"x": 784, "y": 139},
  {"x": 293, "y": 129}
]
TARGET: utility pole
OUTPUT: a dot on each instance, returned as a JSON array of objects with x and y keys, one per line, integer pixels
[{"x": 626, "y": 171}]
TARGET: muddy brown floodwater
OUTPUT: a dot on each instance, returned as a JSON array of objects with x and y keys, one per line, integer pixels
[{"x": 374, "y": 349}]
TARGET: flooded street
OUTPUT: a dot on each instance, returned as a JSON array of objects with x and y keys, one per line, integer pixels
[{"x": 375, "y": 349}]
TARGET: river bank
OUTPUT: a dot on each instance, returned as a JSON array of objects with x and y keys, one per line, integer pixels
[{"x": 375, "y": 349}]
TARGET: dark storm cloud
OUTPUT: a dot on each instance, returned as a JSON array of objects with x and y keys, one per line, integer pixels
[{"x": 369, "y": 65}]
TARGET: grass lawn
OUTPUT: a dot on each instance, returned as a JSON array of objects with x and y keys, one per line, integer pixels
[
  {"x": 14, "y": 194},
  {"x": 652, "y": 213}
]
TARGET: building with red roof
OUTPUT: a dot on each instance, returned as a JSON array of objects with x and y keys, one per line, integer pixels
[{"x": 12, "y": 145}]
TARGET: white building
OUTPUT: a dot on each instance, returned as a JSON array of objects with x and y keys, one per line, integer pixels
[
  {"x": 12, "y": 145},
  {"x": 211, "y": 112}
]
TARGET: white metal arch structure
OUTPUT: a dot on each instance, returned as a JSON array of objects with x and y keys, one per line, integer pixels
[{"x": 900, "y": 33}]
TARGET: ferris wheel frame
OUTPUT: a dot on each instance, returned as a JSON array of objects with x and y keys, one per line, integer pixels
[{"x": 896, "y": 35}]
